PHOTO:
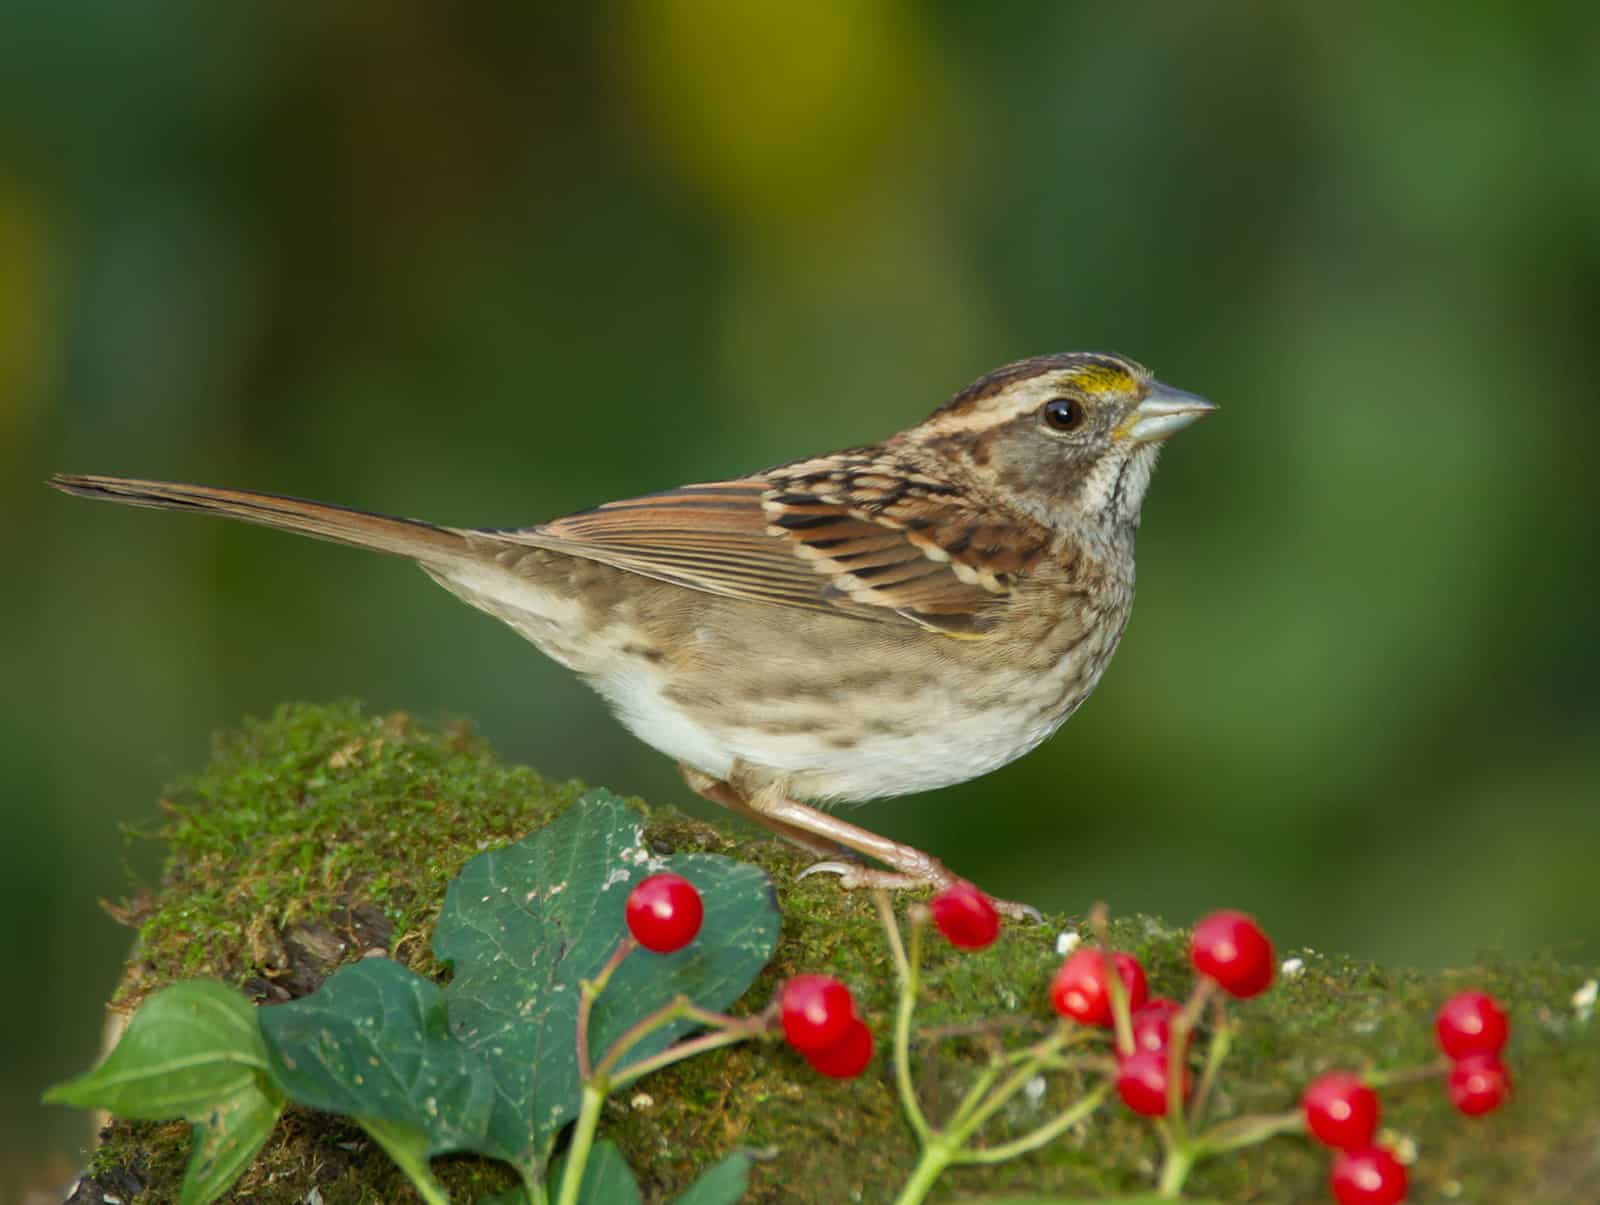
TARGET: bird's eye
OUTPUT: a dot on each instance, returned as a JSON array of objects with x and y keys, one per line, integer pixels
[{"x": 1063, "y": 414}]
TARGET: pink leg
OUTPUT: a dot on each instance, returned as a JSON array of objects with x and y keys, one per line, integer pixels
[{"x": 828, "y": 836}]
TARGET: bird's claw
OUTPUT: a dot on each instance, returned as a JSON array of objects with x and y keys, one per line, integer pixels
[
  {"x": 855, "y": 877},
  {"x": 843, "y": 869}
]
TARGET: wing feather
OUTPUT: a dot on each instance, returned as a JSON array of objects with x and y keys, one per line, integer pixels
[{"x": 855, "y": 533}]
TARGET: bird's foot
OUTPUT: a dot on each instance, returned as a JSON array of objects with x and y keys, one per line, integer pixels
[{"x": 855, "y": 877}]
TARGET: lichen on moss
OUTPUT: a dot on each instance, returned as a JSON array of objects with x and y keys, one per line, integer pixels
[{"x": 323, "y": 831}]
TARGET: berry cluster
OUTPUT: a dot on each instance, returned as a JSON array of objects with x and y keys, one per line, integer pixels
[
  {"x": 1472, "y": 1028},
  {"x": 818, "y": 1014},
  {"x": 819, "y": 1020},
  {"x": 1100, "y": 988},
  {"x": 1228, "y": 949},
  {"x": 1341, "y": 1109}
]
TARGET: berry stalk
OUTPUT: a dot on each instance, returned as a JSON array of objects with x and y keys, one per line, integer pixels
[
  {"x": 591, "y": 988},
  {"x": 907, "y": 966},
  {"x": 594, "y": 1095}
]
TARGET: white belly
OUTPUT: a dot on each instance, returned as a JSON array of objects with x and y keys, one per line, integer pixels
[
  {"x": 891, "y": 743},
  {"x": 916, "y": 746}
]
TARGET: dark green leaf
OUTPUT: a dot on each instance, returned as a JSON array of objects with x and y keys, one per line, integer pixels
[
  {"x": 523, "y": 925},
  {"x": 373, "y": 1043},
  {"x": 606, "y": 1178},
  {"x": 723, "y": 1184},
  {"x": 194, "y": 1051}
]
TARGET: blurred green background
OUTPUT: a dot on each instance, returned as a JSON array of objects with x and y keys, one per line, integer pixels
[{"x": 489, "y": 263}]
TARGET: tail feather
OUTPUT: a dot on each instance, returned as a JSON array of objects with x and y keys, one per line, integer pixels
[{"x": 413, "y": 538}]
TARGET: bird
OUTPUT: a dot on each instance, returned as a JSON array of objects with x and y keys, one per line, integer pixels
[{"x": 873, "y": 622}]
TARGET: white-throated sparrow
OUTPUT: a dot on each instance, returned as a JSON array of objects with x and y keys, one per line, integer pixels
[{"x": 871, "y": 622}]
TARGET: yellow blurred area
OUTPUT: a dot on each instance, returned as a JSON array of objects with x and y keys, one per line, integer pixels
[
  {"x": 26, "y": 309},
  {"x": 774, "y": 111},
  {"x": 848, "y": 327}
]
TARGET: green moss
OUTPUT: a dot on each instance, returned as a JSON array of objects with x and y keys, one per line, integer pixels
[
  {"x": 301, "y": 817},
  {"x": 323, "y": 830}
]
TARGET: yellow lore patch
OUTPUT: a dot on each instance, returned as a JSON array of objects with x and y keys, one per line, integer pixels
[{"x": 1102, "y": 377}]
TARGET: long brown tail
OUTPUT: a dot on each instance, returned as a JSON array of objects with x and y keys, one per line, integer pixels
[{"x": 403, "y": 537}]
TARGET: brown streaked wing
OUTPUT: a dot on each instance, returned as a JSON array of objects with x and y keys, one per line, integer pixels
[
  {"x": 984, "y": 551},
  {"x": 751, "y": 539}
]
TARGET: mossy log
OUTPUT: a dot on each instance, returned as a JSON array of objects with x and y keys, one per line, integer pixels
[{"x": 323, "y": 833}]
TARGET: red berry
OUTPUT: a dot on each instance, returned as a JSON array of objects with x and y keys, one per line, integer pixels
[
  {"x": 1368, "y": 1175},
  {"x": 1079, "y": 989},
  {"x": 846, "y": 1058},
  {"x": 1341, "y": 1110},
  {"x": 1152, "y": 1024},
  {"x": 1471, "y": 1023},
  {"x": 965, "y": 916},
  {"x": 1230, "y": 948},
  {"x": 1478, "y": 1084},
  {"x": 1142, "y": 1082},
  {"x": 664, "y": 912},
  {"x": 817, "y": 1012}
]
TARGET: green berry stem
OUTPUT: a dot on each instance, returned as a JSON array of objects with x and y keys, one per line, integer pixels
[
  {"x": 942, "y": 1148},
  {"x": 937, "y": 1154},
  {"x": 583, "y": 1129},
  {"x": 1044, "y": 1134},
  {"x": 1182, "y": 1148},
  {"x": 728, "y": 1029},
  {"x": 907, "y": 967},
  {"x": 588, "y": 989},
  {"x": 983, "y": 1100},
  {"x": 1116, "y": 990},
  {"x": 1100, "y": 1066},
  {"x": 902, "y": 1027},
  {"x": 964, "y": 1128},
  {"x": 603, "y": 1079},
  {"x": 734, "y": 1031},
  {"x": 1182, "y": 1155},
  {"x": 1221, "y": 1042},
  {"x": 1069, "y": 1035},
  {"x": 891, "y": 930},
  {"x": 981, "y": 1083},
  {"x": 1175, "y": 1168},
  {"x": 1407, "y": 1075},
  {"x": 1248, "y": 1131}
]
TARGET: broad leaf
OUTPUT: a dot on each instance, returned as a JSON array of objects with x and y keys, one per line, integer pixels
[
  {"x": 373, "y": 1043},
  {"x": 489, "y": 1063},
  {"x": 721, "y": 1184},
  {"x": 188, "y": 1046},
  {"x": 522, "y": 926},
  {"x": 192, "y": 1051},
  {"x": 606, "y": 1178}
]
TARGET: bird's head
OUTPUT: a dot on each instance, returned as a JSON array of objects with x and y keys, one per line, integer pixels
[{"x": 1072, "y": 438}]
